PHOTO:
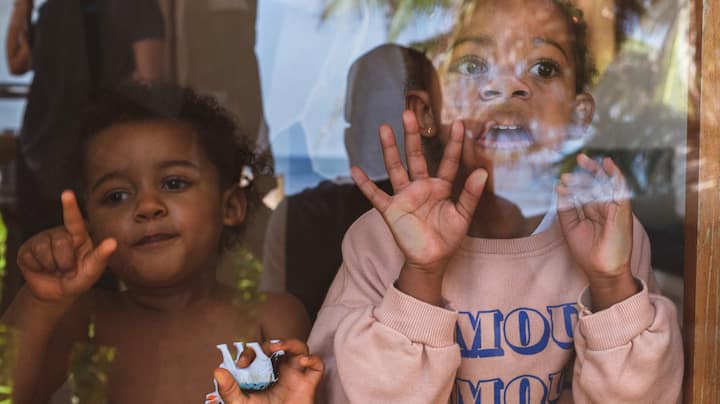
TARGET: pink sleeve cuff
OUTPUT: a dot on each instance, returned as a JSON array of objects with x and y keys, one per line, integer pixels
[
  {"x": 618, "y": 324},
  {"x": 419, "y": 321}
]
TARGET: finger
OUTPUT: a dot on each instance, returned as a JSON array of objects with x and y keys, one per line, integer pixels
[
  {"x": 272, "y": 347},
  {"x": 451, "y": 156},
  {"x": 313, "y": 363},
  {"x": 621, "y": 192},
  {"x": 567, "y": 209},
  {"x": 291, "y": 346},
  {"x": 93, "y": 265},
  {"x": 591, "y": 165},
  {"x": 42, "y": 252},
  {"x": 247, "y": 357},
  {"x": 587, "y": 189},
  {"x": 27, "y": 262},
  {"x": 391, "y": 156},
  {"x": 228, "y": 387},
  {"x": 577, "y": 180},
  {"x": 413, "y": 147},
  {"x": 314, "y": 368},
  {"x": 377, "y": 197},
  {"x": 470, "y": 195},
  {"x": 63, "y": 251},
  {"x": 73, "y": 220}
]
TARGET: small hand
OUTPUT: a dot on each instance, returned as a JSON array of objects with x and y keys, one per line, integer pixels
[
  {"x": 62, "y": 262},
  {"x": 596, "y": 217},
  {"x": 427, "y": 224},
  {"x": 299, "y": 376}
]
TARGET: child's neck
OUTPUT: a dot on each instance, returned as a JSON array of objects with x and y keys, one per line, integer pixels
[
  {"x": 499, "y": 215},
  {"x": 498, "y": 218},
  {"x": 190, "y": 293}
]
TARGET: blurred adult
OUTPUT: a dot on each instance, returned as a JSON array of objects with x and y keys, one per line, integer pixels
[{"x": 75, "y": 48}]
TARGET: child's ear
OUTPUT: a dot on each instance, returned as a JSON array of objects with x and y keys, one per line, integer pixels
[
  {"x": 583, "y": 110},
  {"x": 418, "y": 101},
  {"x": 234, "y": 206}
]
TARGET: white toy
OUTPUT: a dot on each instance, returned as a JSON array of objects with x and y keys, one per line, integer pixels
[{"x": 260, "y": 375}]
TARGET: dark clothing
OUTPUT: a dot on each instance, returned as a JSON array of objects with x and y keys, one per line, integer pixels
[
  {"x": 121, "y": 24},
  {"x": 317, "y": 220},
  {"x": 77, "y": 48},
  {"x": 60, "y": 88}
]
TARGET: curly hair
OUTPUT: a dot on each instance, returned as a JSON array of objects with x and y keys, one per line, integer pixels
[
  {"x": 585, "y": 71},
  {"x": 215, "y": 129}
]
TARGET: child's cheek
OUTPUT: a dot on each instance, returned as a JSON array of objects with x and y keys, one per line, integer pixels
[{"x": 460, "y": 98}]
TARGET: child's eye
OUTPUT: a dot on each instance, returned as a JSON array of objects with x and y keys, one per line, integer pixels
[
  {"x": 470, "y": 66},
  {"x": 545, "y": 69},
  {"x": 115, "y": 197},
  {"x": 175, "y": 184}
]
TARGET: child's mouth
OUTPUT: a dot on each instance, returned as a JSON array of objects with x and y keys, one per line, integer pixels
[
  {"x": 504, "y": 137},
  {"x": 152, "y": 239}
]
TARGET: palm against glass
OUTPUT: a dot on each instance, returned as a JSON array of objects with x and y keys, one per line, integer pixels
[{"x": 426, "y": 223}]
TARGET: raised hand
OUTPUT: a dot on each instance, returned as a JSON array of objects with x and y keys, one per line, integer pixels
[
  {"x": 596, "y": 218},
  {"x": 62, "y": 263},
  {"x": 299, "y": 376},
  {"x": 427, "y": 224}
]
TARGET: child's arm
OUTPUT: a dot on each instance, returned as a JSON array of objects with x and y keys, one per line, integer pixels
[
  {"x": 284, "y": 316},
  {"x": 382, "y": 332},
  {"x": 628, "y": 342},
  {"x": 17, "y": 42},
  {"x": 300, "y": 374},
  {"x": 59, "y": 265},
  {"x": 427, "y": 225}
]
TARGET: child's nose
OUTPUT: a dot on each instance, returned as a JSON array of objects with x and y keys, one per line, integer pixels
[
  {"x": 149, "y": 207},
  {"x": 504, "y": 87}
]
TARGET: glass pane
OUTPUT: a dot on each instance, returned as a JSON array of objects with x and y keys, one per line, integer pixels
[{"x": 235, "y": 152}]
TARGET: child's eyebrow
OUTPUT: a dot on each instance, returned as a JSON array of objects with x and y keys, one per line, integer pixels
[
  {"x": 486, "y": 40},
  {"x": 106, "y": 177},
  {"x": 540, "y": 40},
  {"x": 181, "y": 163},
  {"x": 479, "y": 39}
]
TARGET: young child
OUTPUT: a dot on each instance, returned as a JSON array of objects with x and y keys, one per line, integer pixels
[
  {"x": 449, "y": 291},
  {"x": 160, "y": 190}
]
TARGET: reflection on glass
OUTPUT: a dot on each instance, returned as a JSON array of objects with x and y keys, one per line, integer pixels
[{"x": 507, "y": 93}]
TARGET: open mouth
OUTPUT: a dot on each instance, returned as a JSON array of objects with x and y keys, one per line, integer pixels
[
  {"x": 153, "y": 239},
  {"x": 505, "y": 137}
]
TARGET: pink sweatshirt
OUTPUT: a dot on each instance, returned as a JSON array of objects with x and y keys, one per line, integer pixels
[{"x": 516, "y": 316}]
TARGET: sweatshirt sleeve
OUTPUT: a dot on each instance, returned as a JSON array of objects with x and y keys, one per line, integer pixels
[
  {"x": 379, "y": 344},
  {"x": 630, "y": 352}
]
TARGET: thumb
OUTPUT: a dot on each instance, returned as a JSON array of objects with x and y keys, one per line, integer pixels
[
  {"x": 92, "y": 265},
  {"x": 567, "y": 211},
  {"x": 314, "y": 368},
  {"x": 228, "y": 387}
]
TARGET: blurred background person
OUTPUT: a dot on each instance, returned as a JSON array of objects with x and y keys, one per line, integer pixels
[{"x": 75, "y": 48}]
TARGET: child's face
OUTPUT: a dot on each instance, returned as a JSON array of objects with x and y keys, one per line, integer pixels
[
  {"x": 151, "y": 187},
  {"x": 510, "y": 76}
]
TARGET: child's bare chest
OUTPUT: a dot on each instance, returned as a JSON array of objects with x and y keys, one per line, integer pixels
[{"x": 168, "y": 359}]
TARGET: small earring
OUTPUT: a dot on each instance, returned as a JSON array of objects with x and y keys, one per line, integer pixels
[
  {"x": 428, "y": 131},
  {"x": 246, "y": 177}
]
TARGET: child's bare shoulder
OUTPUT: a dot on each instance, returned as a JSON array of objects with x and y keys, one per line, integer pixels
[{"x": 282, "y": 315}]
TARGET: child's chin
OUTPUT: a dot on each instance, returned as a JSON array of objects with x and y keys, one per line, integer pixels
[
  {"x": 149, "y": 278},
  {"x": 526, "y": 155}
]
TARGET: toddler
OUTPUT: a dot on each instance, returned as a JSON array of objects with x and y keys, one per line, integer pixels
[
  {"x": 158, "y": 199},
  {"x": 450, "y": 289}
]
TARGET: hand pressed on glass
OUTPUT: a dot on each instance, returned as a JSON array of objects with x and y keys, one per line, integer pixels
[
  {"x": 427, "y": 224},
  {"x": 596, "y": 217}
]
